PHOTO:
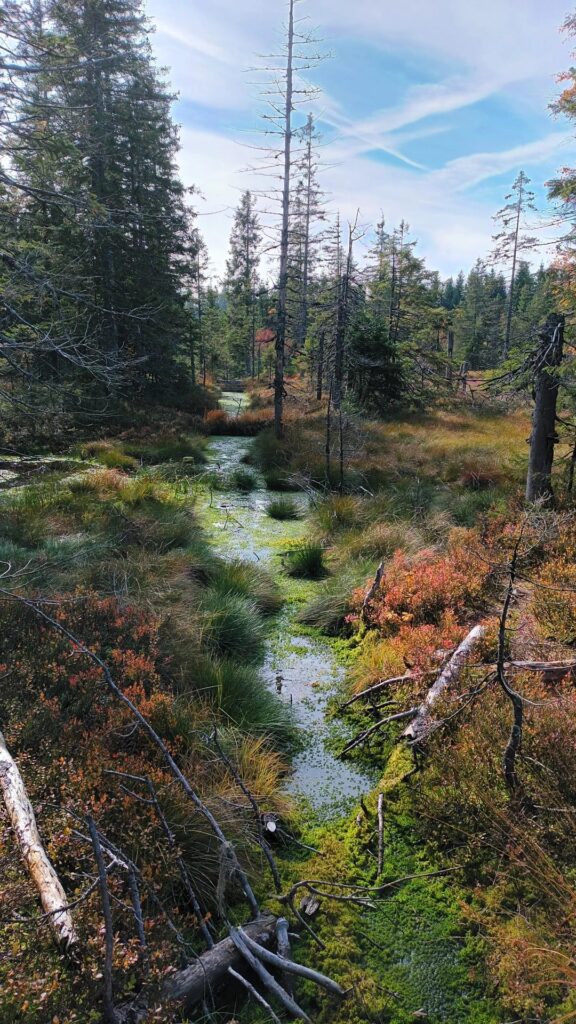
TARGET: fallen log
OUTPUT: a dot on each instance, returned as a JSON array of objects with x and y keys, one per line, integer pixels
[
  {"x": 380, "y": 867},
  {"x": 195, "y": 983},
  {"x": 266, "y": 978},
  {"x": 20, "y": 812},
  {"x": 254, "y": 994},
  {"x": 421, "y": 723},
  {"x": 292, "y": 967},
  {"x": 367, "y": 733},
  {"x": 553, "y": 670}
]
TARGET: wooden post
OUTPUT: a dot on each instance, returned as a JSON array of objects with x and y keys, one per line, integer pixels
[{"x": 546, "y": 384}]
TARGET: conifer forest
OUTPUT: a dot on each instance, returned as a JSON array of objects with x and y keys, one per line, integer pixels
[{"x": 287, "y": 512}]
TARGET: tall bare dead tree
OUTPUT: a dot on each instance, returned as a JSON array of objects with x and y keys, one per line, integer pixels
[
  {"x": 547, "y": 361},
  {"x": 285, "y": 92},
  {"x": 510, "y": 242}
]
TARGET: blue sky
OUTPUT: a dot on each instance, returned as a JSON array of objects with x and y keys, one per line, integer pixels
[{"x": 428, "y": 110}]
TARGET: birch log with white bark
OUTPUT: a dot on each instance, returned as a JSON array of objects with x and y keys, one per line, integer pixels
[
  {"x": 23, "y": 821},
  {"x": 422, "y": 722}
]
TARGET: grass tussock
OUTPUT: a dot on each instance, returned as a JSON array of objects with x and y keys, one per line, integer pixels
[
  {"x": 247, "y": 581},
  {"x": 283, "y": 509},
  {"x": 333, "y": 602},
  {"x": 243, "y": 480},
  {"x": 231, "y": 626},
  {"x": 239, "y": 695},
  {"x": 306, "y": 561}
]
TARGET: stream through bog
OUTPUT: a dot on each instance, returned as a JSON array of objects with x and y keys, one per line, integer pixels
[{"x": 239, "y": 527}]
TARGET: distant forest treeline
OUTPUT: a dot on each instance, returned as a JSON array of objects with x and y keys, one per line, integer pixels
[{"x": 108, "y": 296}]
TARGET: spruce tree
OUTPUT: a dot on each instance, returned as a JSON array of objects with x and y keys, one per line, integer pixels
[
  {"x": 242, "y": 284},
  {"x": 102, "y": 209},
  {"x": 307, "y": 214}
]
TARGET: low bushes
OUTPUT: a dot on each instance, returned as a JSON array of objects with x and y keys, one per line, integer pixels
[
  {"x": 169, "y": 448},
  {"x": 130, "y": 453},
  {"x": 247, "y": 424},
  {"x": 109, "y": 455},
  {"x": 421, "y": 589}
]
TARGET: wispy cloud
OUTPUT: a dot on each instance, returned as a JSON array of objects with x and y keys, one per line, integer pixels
[
  {"x": 193, "y": 41},
  {"x": 450, "y": 66},
  {"x": 467, "y": 171}
]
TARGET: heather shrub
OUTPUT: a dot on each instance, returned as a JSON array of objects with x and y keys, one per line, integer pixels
[{"x": 420, "y": 589}]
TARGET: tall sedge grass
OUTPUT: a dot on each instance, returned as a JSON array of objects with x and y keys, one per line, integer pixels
[
  {"x": 283, "y": 509},
  {"x": 249, "y": 581},
  {"x": 231, "y": 626},
  {"x": 306, "y": 561},
  {"x": 328, "y": 609},
  {"x": 240, "y": 695}
]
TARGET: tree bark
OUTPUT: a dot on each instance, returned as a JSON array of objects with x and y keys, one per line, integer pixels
[
  {"x": 194, "y": 983},
  {"x": 422, "y": 722},
  {"x": 546, "y": 385},
  {"x": 320, "y": 367},
  {"x": 21, "y": 815}
]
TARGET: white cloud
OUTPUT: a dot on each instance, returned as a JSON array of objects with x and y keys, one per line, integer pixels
[{"x": 467, "y": 171}]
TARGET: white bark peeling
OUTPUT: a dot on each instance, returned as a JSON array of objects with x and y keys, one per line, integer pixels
[
  {"x": 42, "y": 873},
  {"x": 421, "y": 724}
]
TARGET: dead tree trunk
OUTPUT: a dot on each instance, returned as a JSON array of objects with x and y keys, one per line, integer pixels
[
  {"x": 342, "y": 313},
  {"x": 280, "y": 344},
  {"x": 546, "y": 385},
  {"x": 23, "y": 821},
  {"x": 450, "y": 354},
  {"x": 195, "y": 983},
  {"x": 320, "y": 366},
  {"x": 422, "y": 722}
]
